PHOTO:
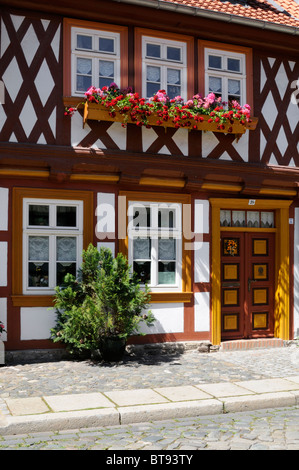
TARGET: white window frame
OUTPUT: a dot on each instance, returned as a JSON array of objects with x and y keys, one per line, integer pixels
[
  {"x": 52, "y": 231},
  {"x": 164, "y": 63},
  {"x": 95, "y": 55},
  {"x": 154, "y": 233},
  {"x": 225, "y": 74}
]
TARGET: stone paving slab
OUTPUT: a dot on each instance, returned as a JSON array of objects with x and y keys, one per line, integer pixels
[
  {"x": 269, "y": 385},
  {"x": 183, "y": 393},
  {"x": 135, "y": 397},
  {"x": 224, "y": 389},
  {"x": 78, "y": 401},
  {"x": 26, "y": 406}
]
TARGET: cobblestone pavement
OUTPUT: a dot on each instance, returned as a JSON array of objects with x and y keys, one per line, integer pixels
[
  {"x": 255, "y": 430},
  {"x": 147, "y": 371},
  {"x": 275, "y": 429}
]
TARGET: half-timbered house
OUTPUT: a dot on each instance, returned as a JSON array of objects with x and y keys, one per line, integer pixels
[{"x": 217, "y": 237}]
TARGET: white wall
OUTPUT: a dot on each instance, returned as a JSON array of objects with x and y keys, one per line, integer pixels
[{"x": 296, "y": 274}]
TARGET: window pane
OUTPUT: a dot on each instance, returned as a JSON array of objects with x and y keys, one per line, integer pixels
[
  {"x": 66, "y": 216},
  {"x": 166, "y": 218},
  {"x": 106, "y": 73},
  {"x": 38, "y": 248},
  {"x": 143, "y": 270},
  {"x": 153, "y": 74},
  {"x": 166, "y": 274},
  {"x": 234, "y": 87},
  {"x": 84, "y": 42},
  {"x": 215, "y": 62},
  {"x": 106, "y": 45},
  {"x": 153, "y": 77},
  {"x": 238, "y": 218},
  {"x": 173, "y": 76},
  {"x": 142, "y": 248},
  {"x": 215, "y": 84},
  {"x": 167, "y": 249},
  {"x": 63, "y": 269},
  {"x": 84, "y": 66},
  {"x": 39, "y": 215},
  {"x": 253, "y": 219},
  {"x": 225, "y": 218},
  {"x": 38, "y": 274},
  {"x": 84, "y": 71},
  {"x": 83, "y": 83},
  {"x": 66, "y": 248},
  {"x": 153, "y": 50},
  {"x": 267, "y": 219},
  {"x": 233, "y": 65},
  {"x": 152, "y": 88},
  {"x": 106, "y": 68},
  {"x": 173, "y": 91},
  {"x": 173, "y": 53},
  {"x": 142, "y": 217}
]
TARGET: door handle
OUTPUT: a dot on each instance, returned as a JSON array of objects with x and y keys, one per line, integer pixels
[{"x": 249, "y": 284}]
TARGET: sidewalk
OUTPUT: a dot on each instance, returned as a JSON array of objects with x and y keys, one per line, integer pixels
[
  {"x": 62, "y": 412},
  {"x": 112, "y": 405}
]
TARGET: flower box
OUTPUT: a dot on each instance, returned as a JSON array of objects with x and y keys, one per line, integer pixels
[{"x": 100, "y": 112}]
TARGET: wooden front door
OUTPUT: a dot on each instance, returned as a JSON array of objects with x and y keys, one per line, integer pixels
[{"x": 247, "y": 284}]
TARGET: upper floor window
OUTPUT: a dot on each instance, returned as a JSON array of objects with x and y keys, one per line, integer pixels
[
  {"x": 226, "y": 71},
  {"x": 95, "y": 59},
  {"x": 164, "y": 67},
  {"x": 164, "y": 61},
  {"x": 95, "y": 54},
  {"x": 225, "y": 75}
]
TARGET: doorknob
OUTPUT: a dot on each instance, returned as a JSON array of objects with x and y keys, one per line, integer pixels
[{"x": 249, "y": 284}]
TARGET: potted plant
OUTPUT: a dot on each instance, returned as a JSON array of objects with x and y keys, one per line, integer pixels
[
  {"x": 101, "y": 307},
  {"x": 2, "y": 328}
]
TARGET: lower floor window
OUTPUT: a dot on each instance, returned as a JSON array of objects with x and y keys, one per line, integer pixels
[
  {"x": 155, "y": 244},
  {"x": 52, "y": 242}
]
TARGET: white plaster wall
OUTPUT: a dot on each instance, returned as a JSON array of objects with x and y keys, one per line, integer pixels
[
  {"x": 3, "y": 264},
  {"x": 296, "y": 275},
  {"x": 210, "y": 141},
  {"x": 202, "y": 311},
  {"x": 105, "y": 213},
  {"x": 3, "y": 208},
  {"x": 201, "y": 249},
  {"x": 36, "y": 322},
  {"x": 201, "y": 216},
  {"x": 169, "y": 319},
  {"x": 201, "y": 262},
  {"x": 3, "y": 317}
]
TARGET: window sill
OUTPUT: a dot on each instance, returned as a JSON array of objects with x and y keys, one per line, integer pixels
[{"x": 48, "y": 300}]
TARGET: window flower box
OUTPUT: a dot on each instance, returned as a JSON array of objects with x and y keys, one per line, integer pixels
[
  {"x": 99, "y": 112},
  {"x": 206, "y": 114}
]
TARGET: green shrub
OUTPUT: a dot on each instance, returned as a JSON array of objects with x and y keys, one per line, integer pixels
[{"x": 104, "y": 300}]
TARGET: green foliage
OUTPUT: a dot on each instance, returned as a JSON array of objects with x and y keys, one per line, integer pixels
[{"x": 104, "y": 300}]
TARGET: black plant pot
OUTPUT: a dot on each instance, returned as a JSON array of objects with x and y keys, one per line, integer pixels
[{"x": 112, "y": 348}]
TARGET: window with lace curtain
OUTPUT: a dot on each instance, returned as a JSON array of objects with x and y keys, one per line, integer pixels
[
  {"x": 225, "y": 75},
  {"x": 155, "y": 244},
  {"x": 164, "y": 66},
  {"x": 95, "y": 59},
  {"x": 52, "y": 242}
]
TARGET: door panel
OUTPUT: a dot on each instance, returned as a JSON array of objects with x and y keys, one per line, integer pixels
[{"x": 247, "y": 283}]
